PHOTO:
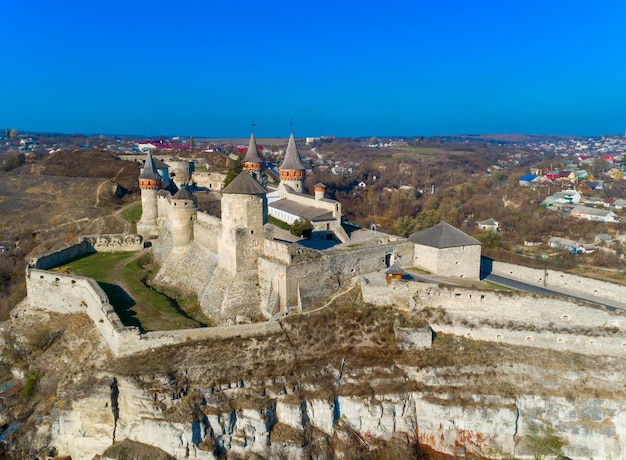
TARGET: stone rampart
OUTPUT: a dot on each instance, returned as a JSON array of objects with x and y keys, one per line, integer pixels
[
  {"x": 62, "y": 293},
  {"x": 207, "y": 230},
  {"x": 63, "y": 255},
  {"x": 277, "y": 250},
  {"x": 71, "y": 294},
  {"x": 563, "y": 341},
  {"x": 320, "y": 276},
  {"x": 506, "y": 316},
  {"x": 560, "y": 280},
  {"x": 377, "y": 292},
  {"x": 209, "y": 180},
  {"x": 115, "y": 243}
]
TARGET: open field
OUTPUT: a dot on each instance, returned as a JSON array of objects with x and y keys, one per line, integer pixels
[{"x": 123, "y": 277}]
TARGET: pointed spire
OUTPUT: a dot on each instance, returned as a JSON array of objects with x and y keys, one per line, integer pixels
[
  {"x": 292, "y": 159},
  {"x": 252, "y": 155},
  {"x": 149, "y": 170}
]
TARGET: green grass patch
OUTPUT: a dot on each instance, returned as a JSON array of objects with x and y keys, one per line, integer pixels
[
  {"x": 124, "y": 278},
  {"x": 421, "y": 271},
  {"x": 132, "y": 214},
  {"x": 278, "y": 223},
  {"x": 495, "y": 286}
]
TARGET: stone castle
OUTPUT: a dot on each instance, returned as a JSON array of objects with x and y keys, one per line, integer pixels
[{"x": 246, "y": 269}]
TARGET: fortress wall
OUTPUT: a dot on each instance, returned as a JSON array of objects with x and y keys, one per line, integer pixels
[
  {"x": 190, "y": 267},
  {"x": 66, "y": 294},
  {"x": 62, "y": 256},
  {"x": 208, "y": 180},
  {"x": 528, "y": 275},
  {"x": 158, "y": 338},
  {"x": 206, "y": 231},
  {"x": 317, "y": 278},
  {"x": 560, "y": 280},
  {"x": 509, "y": 317},
  {"x": 613, "y": 346},
  {"x": 272, "y": 285},
  {"x": 164, "y": 203},
  {"x": 71, "y": 294},
  {"x": 163, "y": 245},
  {"x": 378, "y": 292},
  {"x": 115, "y": 243},
  {"x": 277, "y": 250},
  {"x": 507, "y": 306}
]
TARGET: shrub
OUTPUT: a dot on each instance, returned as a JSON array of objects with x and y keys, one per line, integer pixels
[
  {"x": 302, "y": 227},
  {"x": 543, "y": 442},
  {"x": 30, "y": 384}
]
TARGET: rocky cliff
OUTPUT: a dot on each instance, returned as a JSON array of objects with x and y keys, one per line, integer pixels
[{"x": 334, "y": 383}]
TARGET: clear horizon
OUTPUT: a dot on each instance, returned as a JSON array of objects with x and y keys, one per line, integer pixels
[{"x": 349, "y": 70}]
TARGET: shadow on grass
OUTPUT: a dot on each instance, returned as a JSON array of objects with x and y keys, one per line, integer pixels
[
  {"x": 122, "y": 303},
  {"x": 173, "y": 303}
]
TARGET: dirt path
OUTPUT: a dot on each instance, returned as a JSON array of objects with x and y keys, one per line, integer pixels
[
  {"x": 120, "y": 265},
  {"x": 117, "y": 215},
  {"x": 353, "y": 283}
]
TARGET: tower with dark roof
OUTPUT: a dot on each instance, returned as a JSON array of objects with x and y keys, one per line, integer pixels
[
  {"x": 252, "y": 161},
  {"x": 183, "y": 212},
  {"x": 445, "y": 250},
  {"x": 292, "y": 169},
  {"x": 150, "y": 183},
  {"x": 244, "y": 213}
]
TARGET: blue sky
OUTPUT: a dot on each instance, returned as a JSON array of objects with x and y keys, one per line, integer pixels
[{"x": 209, "y": 68}]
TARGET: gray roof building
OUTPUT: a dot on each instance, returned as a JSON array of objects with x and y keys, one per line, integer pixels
[{"x": 443, "y": 235}]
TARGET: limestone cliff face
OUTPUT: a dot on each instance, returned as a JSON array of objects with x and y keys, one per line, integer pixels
[
  {"x": 332, "y": 383},
  {"x": 481, "y": 425}
]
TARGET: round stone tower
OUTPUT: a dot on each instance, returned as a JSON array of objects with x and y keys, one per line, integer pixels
[
  {"x": 183, "y": 212},
  {"x": 150, "y": 183},
  {"x": 292, "y": 169},
  {"x": 320, "y": 189},
  {"x": 244, "y": 213}
]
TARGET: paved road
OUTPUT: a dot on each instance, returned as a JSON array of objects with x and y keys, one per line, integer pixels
[{"x": 610, "y": 305}]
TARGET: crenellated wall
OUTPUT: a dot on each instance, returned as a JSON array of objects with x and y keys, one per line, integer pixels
[
  {"x": 63, "y": 255},
  {"x": 115, "y": 243}
]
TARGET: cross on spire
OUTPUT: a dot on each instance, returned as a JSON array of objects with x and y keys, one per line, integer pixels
[
  {"x": 253, "y": 125},
  {"x": 291, "y": 123}
]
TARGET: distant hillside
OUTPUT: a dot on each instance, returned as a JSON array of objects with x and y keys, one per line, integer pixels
[{"x": 88, "y": 163}]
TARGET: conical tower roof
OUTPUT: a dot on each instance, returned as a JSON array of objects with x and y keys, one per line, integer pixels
[
  {"x": 292, "y": 160},
  {"x": 149, "y": 170},
  {"x": 244, "y": 184},
  {"x": 183, "y": 194},
  {"x": 252, "y": 155}
]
